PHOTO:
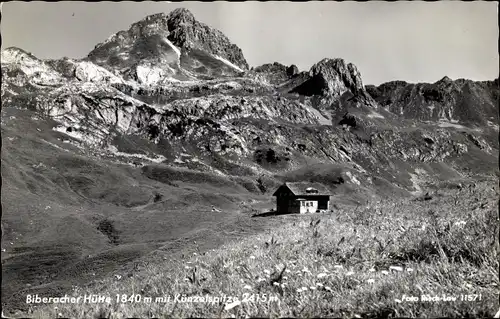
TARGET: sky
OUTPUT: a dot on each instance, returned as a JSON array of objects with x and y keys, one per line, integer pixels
[{"x": 411, "y": 41}]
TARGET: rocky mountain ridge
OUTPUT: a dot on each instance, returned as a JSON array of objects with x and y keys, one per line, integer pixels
[
  {"x": 173, "y": 81},
  {"x": 461, "y": 100}
]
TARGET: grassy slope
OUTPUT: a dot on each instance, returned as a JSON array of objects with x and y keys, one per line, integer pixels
[
  {"x": 55, "y": 198},
  {"x": 68, "y": 218},
  {"x": 336, "y": 265}
]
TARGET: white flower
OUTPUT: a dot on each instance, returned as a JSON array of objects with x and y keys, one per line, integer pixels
[
  {"x": 276, "y": 283},
  {"x": 261, "y": 280},
  {"x": 187, "y": 267},
  {"x": 247, "y": 287},
  {"x": 319, "y": 284},
  {"x": 255, "y": 246},
  {"x": 396, "y": 268},
  {"x": 285, "y": 277},
  {"x": 252, "y": 257},
  {"x": 371, "y": 269},
  {"x": 231, "y": 305},
  {"x": 267, "y": 271},
  {"x": 397, "y": 300},
  {"x": 312, "y": 288},
  {"x": 304, "y": 288},
  {"x": 350, "y": 273},
  {"x": 409, "y": 269},
  {"x": 322, "y": 275},
  {"x": 338, "y": 266},
  {"x": 288, "y": 271},
  {"x": 385, "y": 272},
  {"x": 327, "y": 288}
]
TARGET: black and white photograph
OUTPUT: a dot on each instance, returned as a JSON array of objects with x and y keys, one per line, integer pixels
[{"x": 279, "y": 159}]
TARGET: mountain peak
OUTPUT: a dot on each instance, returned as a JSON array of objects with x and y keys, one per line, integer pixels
[
  {"x": 158, "y": 36},
  {"x": 13, "y": 54},
  {"x": 337, "y": 76},
  {"x": 182, "y": 14}
]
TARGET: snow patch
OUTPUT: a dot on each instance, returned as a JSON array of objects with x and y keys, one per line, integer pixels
[
  {"x": 149, "y": 75},
  {"x": 431, "y": 108},
  {"x": 228, "y": 63},
  {"x": 89, "y": 72},
  {"x": 79, "y": 135},
  {"x": 353, "y": 178},
  {"x": 414, "y": 179},
  {"x": 321, "y": 119},
  {"x": 375, "y": 115},
  {"x": 54, "y": 145},
  {"x": 491, "y": 124},
  {"x": 448, "y": 124},
  {"x": 156, "y": 159},
  {"x": 231, "y": 85},
  {"x": 176, "y": 49}
]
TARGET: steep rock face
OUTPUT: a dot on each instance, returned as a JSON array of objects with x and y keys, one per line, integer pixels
[
  {"x": 334, "y": 77},
  {"x": 187, "y": 33},
  {"x": 331, "y": 78},
  {"x": 446, "y": 100},
  {"x": 292, "y": 70}
]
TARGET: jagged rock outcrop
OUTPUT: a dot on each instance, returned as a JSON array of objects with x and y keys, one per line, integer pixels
[
  {"x": 292, "y": 70},
  {"x": 334, "y": 76},
  {"x": 274, "y": 73},
  {"x": 331, "y": 78}
]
